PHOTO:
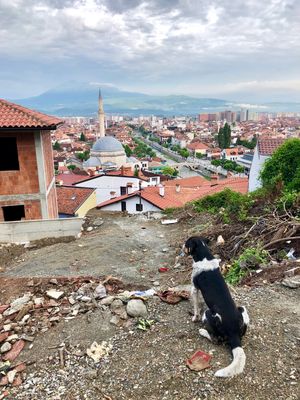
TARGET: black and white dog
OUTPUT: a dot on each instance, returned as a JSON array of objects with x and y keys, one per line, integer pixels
[{"x": 223, "y": 319}]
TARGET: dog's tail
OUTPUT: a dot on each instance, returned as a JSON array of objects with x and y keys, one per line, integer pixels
[
  {"x": 237, "y": 365},
  {"x": 239, "y": 357}
]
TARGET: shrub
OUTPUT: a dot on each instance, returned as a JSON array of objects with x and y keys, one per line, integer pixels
[
  {"x": 283, "y": 167},
  {"x": 227, "y": 203},
  {"x": 250, "y": 259}
]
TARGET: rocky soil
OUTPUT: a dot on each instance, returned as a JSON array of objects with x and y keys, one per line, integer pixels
[{"x": 71, "y": 336}]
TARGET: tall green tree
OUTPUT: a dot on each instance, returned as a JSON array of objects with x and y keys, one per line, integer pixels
[
  {"x": 227, "y": 136},
  {"x": 221, "y": 142},
  {"x": 82, "y": 137}
]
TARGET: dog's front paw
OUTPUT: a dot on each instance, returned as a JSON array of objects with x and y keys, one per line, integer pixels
[{"x": 196, "y": 318}]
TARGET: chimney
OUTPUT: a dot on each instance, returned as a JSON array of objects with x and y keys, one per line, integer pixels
[
  {"x": 129, "y": 187},
  {"x": 177, "y": 188},
  {"x": 161, "y": 190},
  {"x": 214, "y": 179},
  {"x": 113, "y": 195}
]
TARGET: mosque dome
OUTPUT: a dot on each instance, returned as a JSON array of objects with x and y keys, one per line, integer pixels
[{"x": 107, "y": 144}]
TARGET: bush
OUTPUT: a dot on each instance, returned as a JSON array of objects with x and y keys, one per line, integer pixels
[
  {"x": 250, "y": 259},
  {"x": 227, "y": 203},
  {"x": 283, "y": 167}
]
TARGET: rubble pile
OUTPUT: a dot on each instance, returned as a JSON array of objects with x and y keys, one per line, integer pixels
[{"x": 49, "y": 301}]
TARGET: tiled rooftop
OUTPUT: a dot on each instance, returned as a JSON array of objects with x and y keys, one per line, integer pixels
[
  {"x": 16, "y": 116},
  {"x": 69, "y": 199},
  {"x": 266, "y": 147}
]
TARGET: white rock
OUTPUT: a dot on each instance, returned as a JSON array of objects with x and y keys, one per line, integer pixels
[
  {"x": 220, "y": 240},
  {"x": 107, "y": 300},
  {"x": 54, "y": 294},
  {"x": 100, "y": 292},
  {"x": 12, "y": 337},
  {"x": 89, "y": 229},
  {"x": 38, "y": 301},
  {"x": 136, "y": 308},
  {"x": 85, "y": 299},
  {"x": 11, "y": 376},
  {"x": 5, "y": 347}
]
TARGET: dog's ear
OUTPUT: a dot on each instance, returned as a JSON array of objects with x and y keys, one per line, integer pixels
[
  {"x": 190, "y": 245},
  {"x": 206, "y": 241}
]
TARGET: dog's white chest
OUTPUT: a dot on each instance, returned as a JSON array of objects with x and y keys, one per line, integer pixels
[{"x": 204, "y": 265}]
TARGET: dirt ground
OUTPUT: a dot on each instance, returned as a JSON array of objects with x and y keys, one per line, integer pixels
[{"x": 149, "y": 364}]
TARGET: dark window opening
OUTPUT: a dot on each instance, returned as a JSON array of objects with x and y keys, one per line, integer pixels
[
  {"x": 123, "y": 190},
  {"x": 9, "y": 160},
  {"x": 123, "y": 205},
  {"x": 139, "y": 207},
  {"x": 13, "y": 213}
]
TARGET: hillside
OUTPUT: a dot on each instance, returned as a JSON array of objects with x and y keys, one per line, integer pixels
[
  {"x": 145, "y": 364},
  {"x": 73, "y": 99}
]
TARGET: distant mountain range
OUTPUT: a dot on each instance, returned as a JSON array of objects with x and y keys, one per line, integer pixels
[{"x": 81, "y": 99}]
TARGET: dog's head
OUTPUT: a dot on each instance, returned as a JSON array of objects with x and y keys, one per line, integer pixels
[{"x": 197, "y": 247}]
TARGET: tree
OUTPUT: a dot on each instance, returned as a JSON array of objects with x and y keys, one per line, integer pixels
[
  {"x": 83, "y": 156},
  {"x": 167, "y": 170},
  {"x": 221, "y": 142},
  {"x": 82, "y": 137},
  {"x": 128, "y": 150},
  {"x": 56, "y": 146},
  {"x": 71, "y": 167},
  {"x": 283, "y": 167},
  {"x": 227, "y": 136},
  {"x": 224, "y": 137}
]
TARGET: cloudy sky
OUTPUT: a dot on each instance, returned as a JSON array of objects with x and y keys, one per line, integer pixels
[{"x": 246, "y": 50}]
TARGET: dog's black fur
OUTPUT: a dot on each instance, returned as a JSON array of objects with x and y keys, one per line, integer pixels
[{"x": 223, "y": 319}]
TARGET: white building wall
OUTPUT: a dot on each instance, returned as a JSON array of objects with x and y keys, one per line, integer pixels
[
  {"x": 131, "y": 206},
  {"x": 106, "y": 184},
  {"x": 256, "y": 166}
]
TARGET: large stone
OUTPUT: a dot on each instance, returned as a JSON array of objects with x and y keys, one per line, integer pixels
[
  {"x": 5, "y": 347},
  {"x": 292, "y": 282},
  {"x": 136, "y": 308}
]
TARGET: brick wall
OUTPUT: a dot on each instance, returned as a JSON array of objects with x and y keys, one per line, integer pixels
[
  {"x": 32, "y": 208},
  {"x": 25, "y": 180}
]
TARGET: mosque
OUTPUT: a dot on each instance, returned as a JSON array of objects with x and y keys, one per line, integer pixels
[{"x": 107, "y": 152}]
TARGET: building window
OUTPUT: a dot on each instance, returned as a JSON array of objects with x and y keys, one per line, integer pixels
[
  {"x": 13, "y": 213},
  {"x": 9, "y": 160},
  {"x": 123, "y": 190},
  {"x": 139, "y": 207}
]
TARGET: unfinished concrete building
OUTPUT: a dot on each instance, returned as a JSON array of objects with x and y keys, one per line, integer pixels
[{"x": 27, "y": 183}]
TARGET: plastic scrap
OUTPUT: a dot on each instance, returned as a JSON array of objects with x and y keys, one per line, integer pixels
[
  {"x": 145, "y": 324},
  {"x": 198, "y": 361},
  {"x": 173, "y": 297}
]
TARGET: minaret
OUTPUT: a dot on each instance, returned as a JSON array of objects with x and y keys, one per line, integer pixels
[{"x": 101, "y": 116}]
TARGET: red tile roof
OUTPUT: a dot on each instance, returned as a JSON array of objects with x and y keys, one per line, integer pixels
[
  {"x": 172, "y": 198},
  {"x": 69, "y": 199},
  {"x": 70, "y": 179},
  {"x": 15, "y": 116},
  {"x": 197, "y": 146},
  {"x": 266, "y": 147}
]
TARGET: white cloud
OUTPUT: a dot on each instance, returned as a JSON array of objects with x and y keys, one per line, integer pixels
[{"x": 209, "y": 42}]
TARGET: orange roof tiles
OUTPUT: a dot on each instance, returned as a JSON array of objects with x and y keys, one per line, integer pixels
[
  {"x": 197, "y": 146},
  {"x": 15, "y": 116},
  {"x": 69, "y": 199},
  {"x": 266, "y": 147}
]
